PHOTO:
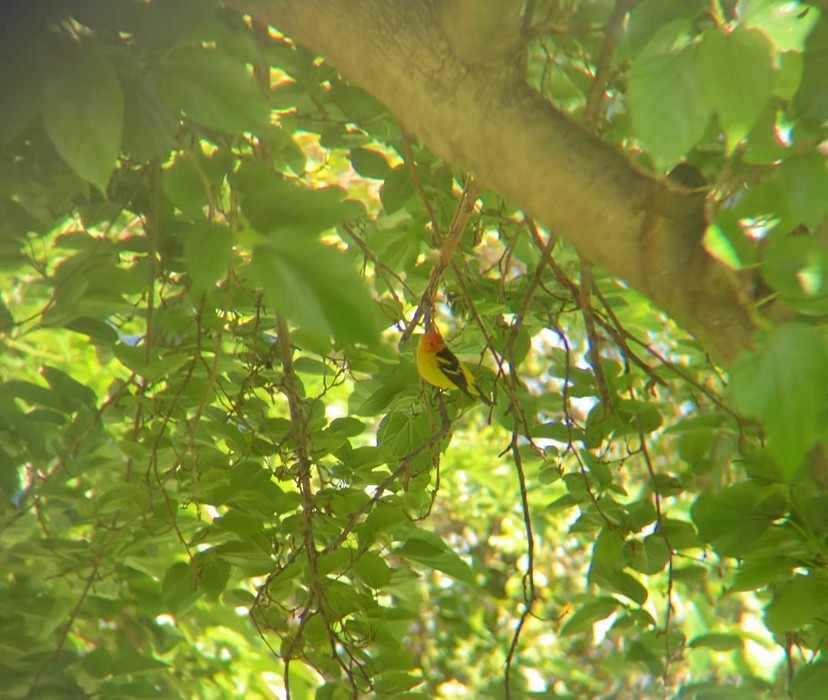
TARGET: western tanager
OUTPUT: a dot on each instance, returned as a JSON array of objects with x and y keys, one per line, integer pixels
[{"x": 439, "y": 366}]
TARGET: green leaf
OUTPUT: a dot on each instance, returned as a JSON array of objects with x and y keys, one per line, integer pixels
[
  {"x": 83, "y": 113},
  {"x": 587, "y": 615},
  {"x": 549, "y": 473},
  {"x": 370, "y": 163},
  {"x": 555, "y": 430},
  {"x": 372, "y": 569},
  {"x": 247, "y": 555},
  {"x": 608, "y": 548},
  {"x": 97, "y": 663},
  {"x": 803, "y": 180},
  {"x": 97, "y": 331},
  {"x": 646, "y": 650},
  {"x": 786, "y": 24},
  {"x": 124, "y": 498},
  {"x": 384, "y": 519},
  {"x": 356, "y": 104},
  {"x": 426, "y": 548},
  {"x": 598, "y": 469},
  {"x": 6, "y": 318},
  {"x": 719, "y": 245},
  {"x": 812, "y": 98},
  {"x": 762, "y": 147},
  {"x": 788, "y": 78},
  {"x": 238, "y": 598},
  {"x": 402, "y": 433},
  {"x": 334, "y": 303},
  {"x": 642, "y": 415},
  {"x": 649, "y": 17},
  {"x": 271, "y": 203},
  {"x": 179, "y": 588},
  {"x": 184, "y": 185},
  {"x": 761, "y": 568},
  {"x": 311, "y": 366},
  {"x": 135, "y": 358},
  {"x": 650, "y": 557},
  {"x": 397, "y": 189},
  {"x": 101, "y": 663},
  {"x": 680, "y": 533},
  {"x": 33, "y": 394},
  {"x": 669, "y": 111},
  {"x": 733, "y": 519},
  {"x": 619, "y": 582},
  {"x": 347, "y": 427},
  {"x": 9, "y": 475},
  {"x": 374, "y": 397},
  {"x": 695, "y": 444},
  {"x": 284, "y": 150},
  {"x": 797, "y": 268},
  {"x": 211, "y": 88},
  {"x": 71, "y": 391},
  {"x": 810, "y": 681},
  {"x": 150, "y": 124},
  {"x": 740, "y": 93},
  {"x": 393, "y": 683},
  {"x": 783, "y": 384},
  {"x": 397, "y": 244},
  {"x": 799, "y": 602},
  {"x": 25, "y": 73},
  {"x": 212, "y": 572},
  {"x": 716, "y": 691},
  {"x": 717, "y": 641},
  {"x": 208, "y": 248},
  {"x": 606, "y": 568}
]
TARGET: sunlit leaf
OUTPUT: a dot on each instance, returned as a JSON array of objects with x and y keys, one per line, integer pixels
[
  {"x": 784, "y": 385},
  {"x": 739, "y": 94},
  {"x": 587, "y": 615},
  {"x": 666, "y": 76},
  {"x": 786, "y": 24},
  {"x": 335, "y": 303},
  {"x": 717, "y": 641},
  {"x": 426, "y": 548}
]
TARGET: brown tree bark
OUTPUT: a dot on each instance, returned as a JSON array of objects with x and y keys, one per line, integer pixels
[{"x": 473, "y": 109}]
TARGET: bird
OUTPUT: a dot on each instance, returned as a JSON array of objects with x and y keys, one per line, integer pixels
[{"x": 439, "y": 366}]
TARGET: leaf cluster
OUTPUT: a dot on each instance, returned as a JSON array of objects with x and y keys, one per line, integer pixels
[{"x": 218, "y": 469}]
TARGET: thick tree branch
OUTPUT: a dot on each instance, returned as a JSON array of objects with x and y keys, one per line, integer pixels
[
  {"x": 484, "y": 31},
  {"x": 644, "y": 230}
]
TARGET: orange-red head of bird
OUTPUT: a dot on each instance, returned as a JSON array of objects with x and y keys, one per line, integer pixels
[{"x": 431, "y": 341}]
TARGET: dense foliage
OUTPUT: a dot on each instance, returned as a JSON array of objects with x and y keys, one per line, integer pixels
[{"x": 219, "y": 473}]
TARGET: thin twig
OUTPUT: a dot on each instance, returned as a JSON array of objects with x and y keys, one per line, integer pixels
[
  {"x": 458, "y": 224},
  {"x": 302, "y": 448},
  {"x": 405, "y": 463},
  {"x": 668, "y": 615},
  {"x": 529, "y": 593},
  {"x": 598, "y": 87},
  {"x": 381, "y": 269},
  {"x": 411, "y": 164},
  {"x": 546, "y": 256},
  {"x": 617, "y": 333},
  {"x": 67, "y": 627},
  {"x": 585, "y": 301}
]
